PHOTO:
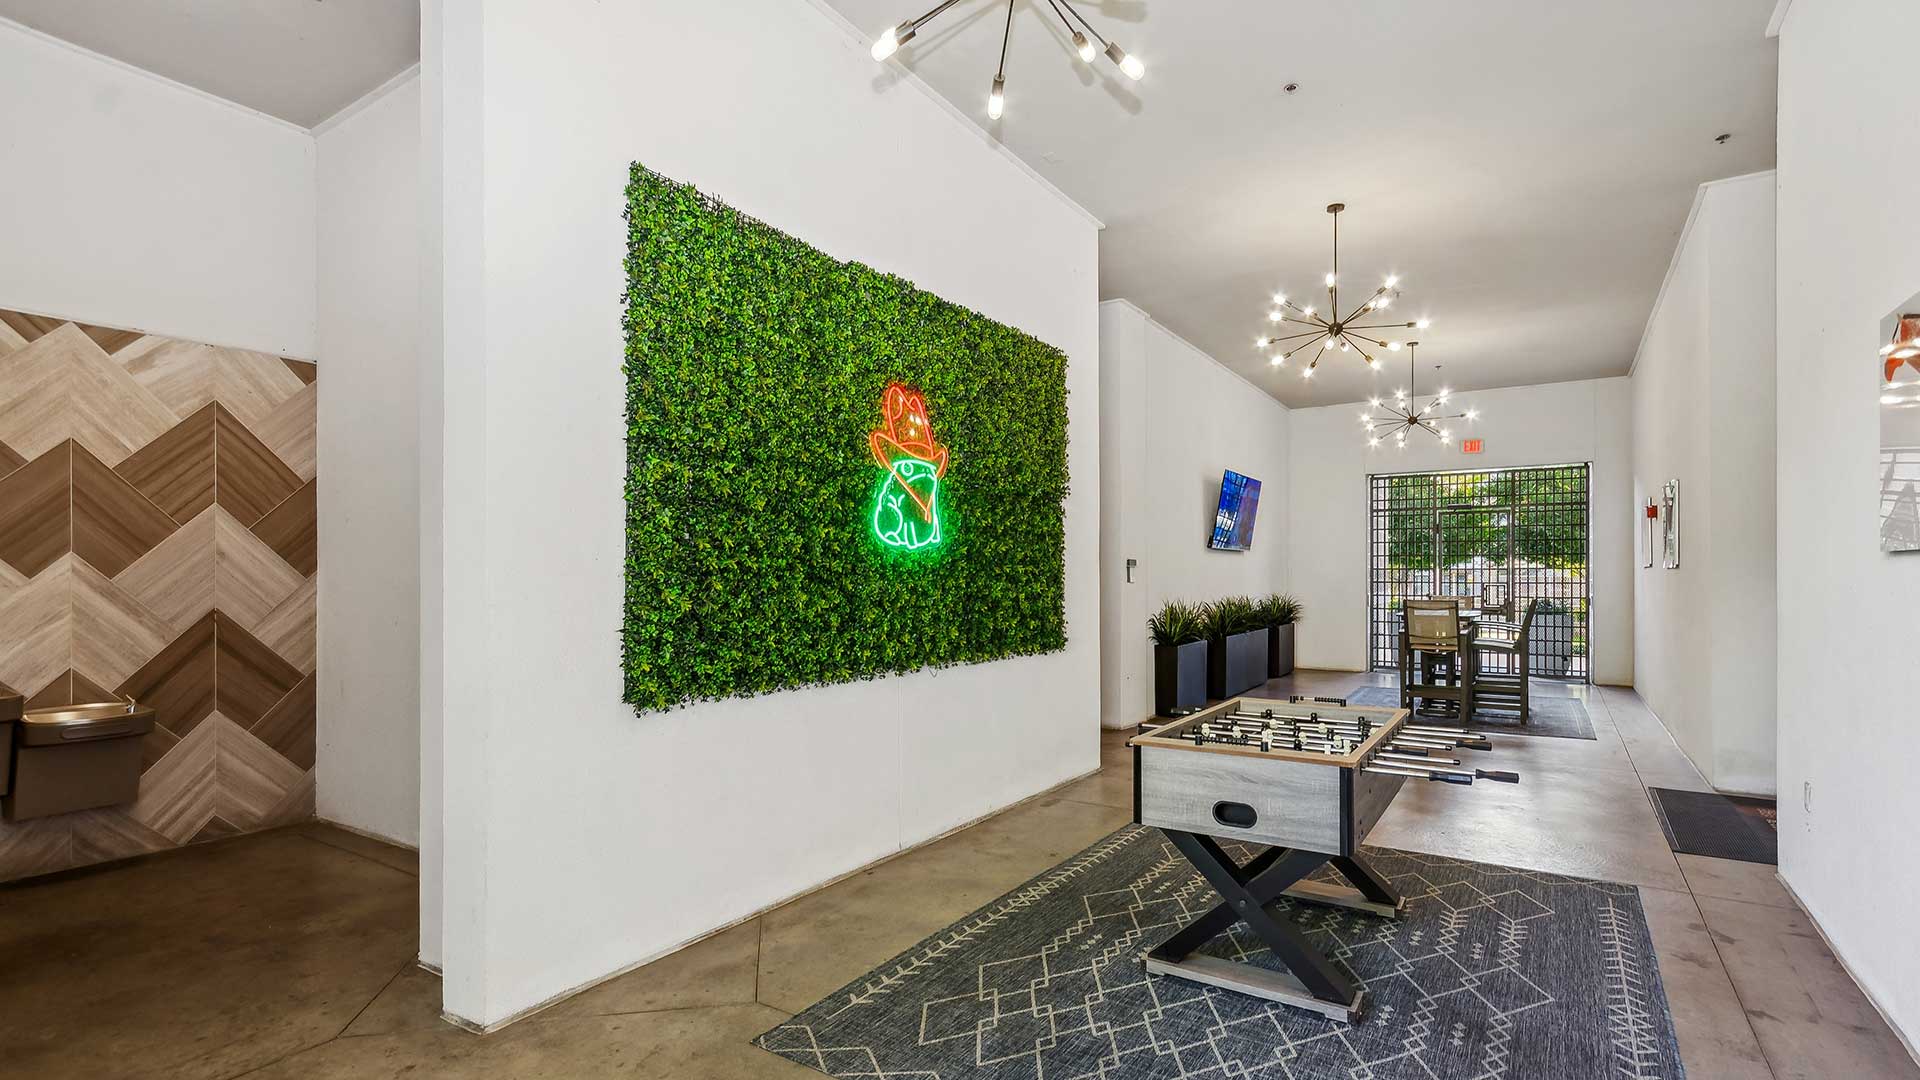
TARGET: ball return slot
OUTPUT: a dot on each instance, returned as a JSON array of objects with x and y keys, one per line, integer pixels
[{"x": 1307, "y": 779}]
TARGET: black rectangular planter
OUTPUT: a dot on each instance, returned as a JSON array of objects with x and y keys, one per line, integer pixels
[
  {"x": 1280, "y": 650},
  {"x": 1179, "y": 676},
  {"x": 1237, "y": 663}
]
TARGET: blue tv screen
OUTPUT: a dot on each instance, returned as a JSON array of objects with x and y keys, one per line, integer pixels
[{"x": 1239, "y": 505}]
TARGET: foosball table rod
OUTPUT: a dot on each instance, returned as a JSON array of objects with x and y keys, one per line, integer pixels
[{"x": 1447, "y": 776}]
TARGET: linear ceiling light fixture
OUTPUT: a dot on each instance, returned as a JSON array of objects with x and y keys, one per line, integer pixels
[
  {"x": 893, "y": 37},
  {"x": 1335, "y": 332},
  {"x": 1407, "y": 413}
]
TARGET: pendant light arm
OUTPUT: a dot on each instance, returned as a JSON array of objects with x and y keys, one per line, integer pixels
[
  {"x": 1068, "y": 4},
  {"x": 1005, "y": 37}
]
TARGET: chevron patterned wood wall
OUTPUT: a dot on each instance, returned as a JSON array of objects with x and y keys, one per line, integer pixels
[{"x": 158, "y": 539}]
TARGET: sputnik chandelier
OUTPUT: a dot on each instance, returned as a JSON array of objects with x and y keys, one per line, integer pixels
[
  {"x": 1334, "y": 331},
  {"x": 893, "y": 37},
  {"x": 1407, "y": 413}
]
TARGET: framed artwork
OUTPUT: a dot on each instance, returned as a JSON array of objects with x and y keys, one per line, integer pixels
[
  {"x": 1670, "y": 525},
  {"x": 1897, "y": 374}
]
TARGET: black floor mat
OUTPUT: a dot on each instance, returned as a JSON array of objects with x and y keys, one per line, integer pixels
[{"x": 1717, "y": 826}]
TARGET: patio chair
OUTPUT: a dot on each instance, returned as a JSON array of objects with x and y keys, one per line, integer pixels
[
  {"x": 1436, "y": 655},
  {"x": 1509, "y": 640}
]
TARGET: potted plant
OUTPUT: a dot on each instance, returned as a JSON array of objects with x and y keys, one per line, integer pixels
[
  {"x": 1278, "y": 613},
  {"x": 1179, "y": 633},
  {"x": 1237, "y": 650}
]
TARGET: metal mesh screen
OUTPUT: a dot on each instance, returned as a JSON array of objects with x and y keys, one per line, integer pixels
[{"x": 1498, "y": 536}]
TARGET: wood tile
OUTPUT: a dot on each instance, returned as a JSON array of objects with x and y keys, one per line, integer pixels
[
  {"x": 251, "y": 385},
  {"x": 292, "y": 530},
  {"x": 36, "y": 511},
  {"x": 113, "y": 633},
  {"x": 33, "y": 393},
  {"x": 303, "y": 369},
  {"x": 180, "y": 792},
  {"x": 289, "y": 629},
  {"x": 37, "y": 846},
  {"x": 175, "y": 579},
  {"x": 216, "y": 828},
  {"x": 178, "y": 373},
  {"x": 11, "y": 340},
  {"x": 178, "y": 682},
  {"x": 113, "y": 523},
  {"x": 250, "y": 678},
  {"x": 11, "y": 580},
  {"x": 36, "y": 627},
  {"x": 250, "y": 579},
  {"x": 176, "y": 469},
  {"x": 254, "y": 780},
  {"x": 29, "y": 327},
  {"x": 156, "y": 745},
  {"x": 56, "y": 693},
  {"x": 290, "y": 726},
  {"x": 289, "y": 431},
  {"x": 109, "y": 339},
  {"x": 295, "y": 806},
  {"x": 85, "y": 690},
  {"x": 9, "y": 460},
  {"x": 248, "y": 479},
  {"x": 107, "y": 411},
  {"x": 109, "y": 833}
]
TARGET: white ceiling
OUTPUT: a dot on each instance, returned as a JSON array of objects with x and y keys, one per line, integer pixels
[
  {"x": 299, "y": 60},
  {"x": 1526, "y": 167}
]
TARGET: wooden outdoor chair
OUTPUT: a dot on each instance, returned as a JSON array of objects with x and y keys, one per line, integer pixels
[
  {"x": 1436, "y": 655},
  {"x": 1509, "y": 640}
]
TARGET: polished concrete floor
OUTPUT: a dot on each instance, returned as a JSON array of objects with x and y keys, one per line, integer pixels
[{"x": 289, "y": 954}]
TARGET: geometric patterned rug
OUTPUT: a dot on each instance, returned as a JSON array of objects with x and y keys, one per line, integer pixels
[
  {"x": 1494, "y": 972},
  {"x": 1550, "y": 715}
]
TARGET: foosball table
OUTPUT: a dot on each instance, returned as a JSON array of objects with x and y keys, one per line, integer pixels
[{"x": 1309, "y": 777}]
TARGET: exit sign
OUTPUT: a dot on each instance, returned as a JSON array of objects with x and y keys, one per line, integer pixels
[{"x": 1472, "y": 446}]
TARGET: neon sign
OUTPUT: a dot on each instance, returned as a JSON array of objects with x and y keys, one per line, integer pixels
[{"x": 906, "y": 503}]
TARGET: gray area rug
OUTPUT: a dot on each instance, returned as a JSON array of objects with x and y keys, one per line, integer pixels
[
  {"x": 1553, "y": 716},
  {"x": 1494, "y": 973}
]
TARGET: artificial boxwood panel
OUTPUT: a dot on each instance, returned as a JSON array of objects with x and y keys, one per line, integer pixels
[{"x": 756, "y": 367}]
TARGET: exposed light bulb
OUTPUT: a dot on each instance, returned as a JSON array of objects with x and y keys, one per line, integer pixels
[
  {"x": 1445, "y": 435},
  {"x": 1344, "y": 347},
  {"x": 1392, "y": 280},
  {"x": 1394, "y": 346},
  {"x": 1366, "y": 418},
  {"x": 1473, "y": 414},
  {"x": 1383, "y": 303},
  {"x": 1375, "y": 403},
  {"x": 1307, "y": 311},
  {"x": 1084, "y": 46},
  {"x": 1374, "y": 363},
  {"x": 1423, "y": 323},
  {"x": 1134, "y": 69},
  {"x": 997, "y": 101},
  {"x": 1261, "y": 343},
  {"x": 1444, "y": 392},
  {"x": 1373, "y": 442},
  {"x": 1281, "y": 298},
  {"x": 1274, "y": 316},
  {"x": 1307, "y": 374},
  {"x": 1330, "y": 277},
  {"x": 889, "y": 42}
]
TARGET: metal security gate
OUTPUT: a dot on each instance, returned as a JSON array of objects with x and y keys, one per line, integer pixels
[{"x": 1506, "y": 535}]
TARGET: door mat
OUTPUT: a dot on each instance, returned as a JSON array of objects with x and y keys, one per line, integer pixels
[{"x": 1718, "y": 826}]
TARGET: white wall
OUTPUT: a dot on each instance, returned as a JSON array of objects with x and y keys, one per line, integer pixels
[
  {"x": 128, "y": 200},
  {"x": 1171, "y": 419},
  {"x": 1550, "y": 424},
  {"x": 369, "y": 247},
  {"x": 1849, "y": 152},
  {"x": 580, "y": 838},
  {"x": 1703, "y": 401}
]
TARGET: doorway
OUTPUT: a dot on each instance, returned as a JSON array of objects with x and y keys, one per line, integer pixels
[{"x": 1504, "y": 536}]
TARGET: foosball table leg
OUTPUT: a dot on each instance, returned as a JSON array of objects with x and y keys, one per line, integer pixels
[{"x": 1310, "y": 980}]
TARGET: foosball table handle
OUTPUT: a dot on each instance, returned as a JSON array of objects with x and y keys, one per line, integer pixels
[{"x": 1499, "y": 775}]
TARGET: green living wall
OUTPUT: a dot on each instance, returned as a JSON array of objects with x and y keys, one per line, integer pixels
[{"x": 768, "y": 546}]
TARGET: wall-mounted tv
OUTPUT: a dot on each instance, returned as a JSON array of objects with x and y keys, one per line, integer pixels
[{"x": 1233, "y": 521}]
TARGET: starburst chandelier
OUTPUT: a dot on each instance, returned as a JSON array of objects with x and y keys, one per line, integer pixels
[
  {"x": 893, "y": 37},
  {"x": 1394, "y": 420},
  {"x": 1333, "y": 331}
]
